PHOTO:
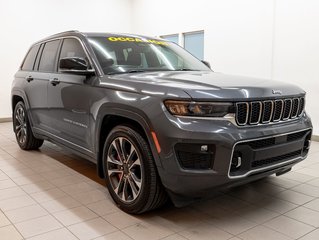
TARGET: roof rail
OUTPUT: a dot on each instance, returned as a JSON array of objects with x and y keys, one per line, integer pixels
[
  {"x": 70, "y": 31},
  {"x": 65, "y": 32}
]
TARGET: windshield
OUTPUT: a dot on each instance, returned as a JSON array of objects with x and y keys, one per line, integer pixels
[{"x": 129, "y": 54}]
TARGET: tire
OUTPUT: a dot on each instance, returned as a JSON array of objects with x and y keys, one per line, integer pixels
[
  {"x": 22, "y": 129},
  {"x": 130, "y": 173}
]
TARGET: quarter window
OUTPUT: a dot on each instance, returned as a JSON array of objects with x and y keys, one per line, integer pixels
[
  {"x": 48, "y": 58},
  {"x": 29, "y": 60}
]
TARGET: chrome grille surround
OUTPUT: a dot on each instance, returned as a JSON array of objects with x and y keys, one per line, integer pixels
[{"x": 269, "y": 111}]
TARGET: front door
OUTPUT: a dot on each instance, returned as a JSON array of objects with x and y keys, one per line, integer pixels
[{"x": 69, "y": 101}]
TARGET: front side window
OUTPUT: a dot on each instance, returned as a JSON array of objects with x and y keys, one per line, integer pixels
[
  {"x": 130, "y": 54},
  {"x": 48, "y": 58},
  {"x": 72, "y": 48},
  {"x": 28, "y": 63}
]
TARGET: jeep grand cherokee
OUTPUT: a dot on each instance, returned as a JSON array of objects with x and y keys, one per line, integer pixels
[{"x": 157, "y": 121}]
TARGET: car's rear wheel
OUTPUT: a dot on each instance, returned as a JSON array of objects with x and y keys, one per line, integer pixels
[
  {"x": 131, "y": 175},
  {"x": 22, "y": 129}
]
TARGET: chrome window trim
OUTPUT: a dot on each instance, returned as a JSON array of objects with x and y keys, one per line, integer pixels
[{"x": 91, "y": 60}]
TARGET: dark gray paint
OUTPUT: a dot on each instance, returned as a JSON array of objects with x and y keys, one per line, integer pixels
[{"x": 139, "y": 96}]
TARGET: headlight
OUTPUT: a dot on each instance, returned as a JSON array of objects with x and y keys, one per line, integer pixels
[{"x": 199, "y": 109}]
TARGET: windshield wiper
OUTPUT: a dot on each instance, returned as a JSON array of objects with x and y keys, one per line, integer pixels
[
  {"x": 150, "y": 70},
  {"x": 135, "y": 71},
  {"x": 185, "y": 69},
  {"x": 131, "y": 71}
]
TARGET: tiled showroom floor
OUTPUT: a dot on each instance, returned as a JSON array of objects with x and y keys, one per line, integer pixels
[{"x": 54, "y": 195}]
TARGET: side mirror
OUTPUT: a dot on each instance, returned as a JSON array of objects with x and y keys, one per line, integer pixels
[
  {"x": 206, "y": 63},
  {"x": 75, "y": 65}
]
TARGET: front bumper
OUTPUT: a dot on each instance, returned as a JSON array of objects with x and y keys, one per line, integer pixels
[{"x": 223, "y": 139}]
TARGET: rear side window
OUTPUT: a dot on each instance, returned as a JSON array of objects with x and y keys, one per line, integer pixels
[
  {"x": 48, "y": 58},
  {"x": 72, "y": 48},
  {"x": 29, "y": 60},
  {"x": 37, "y": 60}
]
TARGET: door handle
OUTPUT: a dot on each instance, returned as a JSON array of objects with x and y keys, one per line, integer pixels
[
  {"x": 29, "y": 78},
  {"x": 54, "y": 81}
]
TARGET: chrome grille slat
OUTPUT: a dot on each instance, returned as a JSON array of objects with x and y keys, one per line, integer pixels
[
  {"x": 301, "y": 105},
  {"x": 287, "y": 109},
  {"x": 295, "y": 107},
  {"x": 255, "y": 112},
  {"x": 269, "y": 111},
  {"x": 279, "y": 106},
  {"x": 242, "y": 111}
]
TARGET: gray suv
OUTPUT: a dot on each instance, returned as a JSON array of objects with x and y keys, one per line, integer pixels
[{"x": 158, "y": 122}]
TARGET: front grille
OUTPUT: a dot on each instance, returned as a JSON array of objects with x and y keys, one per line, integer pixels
[
  {"x": 274, "y": 160},
  {"x": 295, "y": 136},
  {"x": 263, "y": 112},
  {"x": 257, "y": 154},
  {"x": 262, "y": 143}
]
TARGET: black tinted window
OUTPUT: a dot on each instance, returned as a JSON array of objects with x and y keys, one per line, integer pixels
[
  {"x": 37, "y": 60},
  {"x": 47, "y": 62},
  {"x": 72, "y": 48},
  {"x": 128, "y": 54},
  {"x": 29, "y": 60}
]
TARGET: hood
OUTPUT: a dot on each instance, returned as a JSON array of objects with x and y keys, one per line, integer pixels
[{"x": 203, "y": 85}]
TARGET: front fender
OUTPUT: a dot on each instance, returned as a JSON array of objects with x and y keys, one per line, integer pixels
[{"x": 128, "y": 112}]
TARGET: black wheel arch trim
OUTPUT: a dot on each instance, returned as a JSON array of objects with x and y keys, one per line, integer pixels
[
  {"x": 135, "y": 115},
  {"x": 21, "y": 94}
]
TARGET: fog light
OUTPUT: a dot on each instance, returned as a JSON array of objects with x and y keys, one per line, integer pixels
[
  {"x": 204, "y": 148},
  {"x": 306, "y": 145},
  {"x": 236, "y": 161}
]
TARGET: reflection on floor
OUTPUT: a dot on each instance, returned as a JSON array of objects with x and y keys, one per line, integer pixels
[{"x": 52, "y": 194}]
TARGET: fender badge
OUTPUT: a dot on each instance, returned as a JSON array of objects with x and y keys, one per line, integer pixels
[{"x": 276, "y": 92}]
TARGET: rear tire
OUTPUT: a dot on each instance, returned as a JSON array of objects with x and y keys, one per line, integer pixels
[
  {"x": 130, "y": 172},
  {"x": 22, "y": 129}
]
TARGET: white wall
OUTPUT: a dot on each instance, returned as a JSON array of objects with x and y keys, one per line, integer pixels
[
  {"x": 276, "y": 39},
  {"x": 238, "y": 33},
  {"x": 296, "y": 49},
  {"x": 24, "y": 22}
]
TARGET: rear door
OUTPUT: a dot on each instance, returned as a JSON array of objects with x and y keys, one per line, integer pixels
[
  {"x": 69, "y": 101},
  {"x": 37, "y": 88},
  {"x": 27, "y": 78}
]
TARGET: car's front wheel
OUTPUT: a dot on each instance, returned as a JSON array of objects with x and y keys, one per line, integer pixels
[
  {"x": 131, "y": 175},
  {"x": 22, "y": 129}
]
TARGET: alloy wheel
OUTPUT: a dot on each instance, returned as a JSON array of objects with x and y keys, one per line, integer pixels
[
  {"x": 124, "y": 169},
  {"x": 21, "y": 125}
]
